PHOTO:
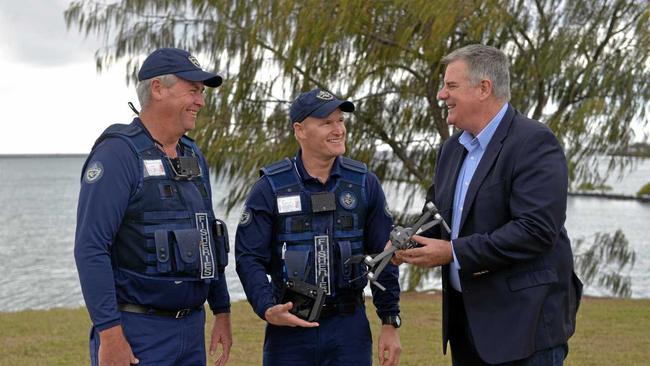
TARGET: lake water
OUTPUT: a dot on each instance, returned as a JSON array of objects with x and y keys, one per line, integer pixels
[{"x": 38, "y": 202}]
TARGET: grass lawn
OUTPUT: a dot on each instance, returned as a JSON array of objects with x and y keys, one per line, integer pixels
[{"x": 609, "y": 332}]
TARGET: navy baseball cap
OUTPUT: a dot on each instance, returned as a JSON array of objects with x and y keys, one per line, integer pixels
[
  {"x": 317, "y": 103},
  {"x": 178, "y": 62}
]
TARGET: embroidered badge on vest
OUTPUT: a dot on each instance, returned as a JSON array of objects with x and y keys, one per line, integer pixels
[{"x": 348, "y": 200}]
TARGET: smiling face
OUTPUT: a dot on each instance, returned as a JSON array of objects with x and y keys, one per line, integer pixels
[
  {"x": 183, "y": 101},
  {"x": 322, "y": 138},
  {"x": 463, "y": 100}
]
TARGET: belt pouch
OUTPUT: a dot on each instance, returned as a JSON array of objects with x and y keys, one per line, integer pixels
[
  {"x": 345, "y": 270},
  {"x": 297, "y": 262},
  {"x": 222, "y": 247}
]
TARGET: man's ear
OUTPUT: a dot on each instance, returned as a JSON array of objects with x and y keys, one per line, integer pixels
[
  {"x": 298, "y": 130},
  {"x": 156, "y": 89},
  {"x": 486, "y": 89}
]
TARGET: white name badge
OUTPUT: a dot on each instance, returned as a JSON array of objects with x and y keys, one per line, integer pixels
[
  {"x": 288, "y": 204},
  {"x": 153, "y": 168}
]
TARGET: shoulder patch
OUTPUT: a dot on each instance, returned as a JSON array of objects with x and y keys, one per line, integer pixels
[
  {"x": 246, "y": 217},
  {"x": 94, "y": 172},
  {"x": 387, "y": 211}
]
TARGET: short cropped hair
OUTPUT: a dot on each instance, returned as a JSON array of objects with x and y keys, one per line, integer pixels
[{"x": 143, "y": 88}]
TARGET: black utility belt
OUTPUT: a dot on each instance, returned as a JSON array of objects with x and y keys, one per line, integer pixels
[
  {"x": 346, "y": 305},
  {"x": 181, "y": 313}
]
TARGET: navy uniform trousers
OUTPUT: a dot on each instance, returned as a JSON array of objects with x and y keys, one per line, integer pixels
[
  {"x": 161, "y": 340},
  {"x": 340, "y": 340}
]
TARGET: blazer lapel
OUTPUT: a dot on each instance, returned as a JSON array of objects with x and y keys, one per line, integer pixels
[
  {"x": 484, "y": 166},
  {"x": 455, "y": 163}
]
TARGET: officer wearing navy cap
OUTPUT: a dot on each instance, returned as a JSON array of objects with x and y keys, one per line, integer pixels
[
  {"x": 148, "y": 247},
  {"x": 302, "y": 221}
]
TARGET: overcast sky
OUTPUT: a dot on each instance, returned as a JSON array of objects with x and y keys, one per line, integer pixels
[{"x": 53, "y": 100}]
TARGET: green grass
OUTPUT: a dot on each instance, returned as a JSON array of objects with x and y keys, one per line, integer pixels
[{"x": 609, "y": 332}]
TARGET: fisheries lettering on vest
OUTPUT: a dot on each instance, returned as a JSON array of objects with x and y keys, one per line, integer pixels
[
  {"x": 322, "y": 258},
  {"x": 315, "y": 232},
  {"x": 163, "y": 214},
  {"x": 207, "y": 260}
]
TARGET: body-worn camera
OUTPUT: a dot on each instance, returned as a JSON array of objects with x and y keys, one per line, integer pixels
[
  {"x": 307, "y": 299},
  {"x": 185, "y": 167}
]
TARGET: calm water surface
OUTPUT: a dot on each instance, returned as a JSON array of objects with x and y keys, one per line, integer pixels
[{"x": 38, "y": 198}]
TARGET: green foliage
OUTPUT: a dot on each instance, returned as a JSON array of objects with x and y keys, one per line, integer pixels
[
  {"x": 644, "y": 191},
  {"x": 581, "y": 66},
  {"x": 604, "y": 260}
]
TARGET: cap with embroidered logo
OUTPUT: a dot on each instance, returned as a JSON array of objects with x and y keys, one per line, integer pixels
[
  {"x": 317, "y": 103},
  {"x": 178, "y": 62}
]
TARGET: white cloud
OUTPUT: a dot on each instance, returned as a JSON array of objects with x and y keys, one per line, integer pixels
[
  {"x": 52, "y": 98},
  {"x": 34, "y": 32},
  {"x": 60, "y": 109}
]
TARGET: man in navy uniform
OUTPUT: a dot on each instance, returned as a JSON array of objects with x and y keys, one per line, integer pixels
[
  {"x": 303, "y": 219},
  {"x": 148, "y": 247}
]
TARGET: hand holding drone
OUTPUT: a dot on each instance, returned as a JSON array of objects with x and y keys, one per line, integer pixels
[{"x": 400, "y": 238}]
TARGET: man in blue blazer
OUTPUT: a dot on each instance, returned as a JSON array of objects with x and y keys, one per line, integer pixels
[{"x": 510, "y": 295}]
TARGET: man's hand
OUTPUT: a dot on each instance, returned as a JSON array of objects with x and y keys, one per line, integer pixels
[
  {"x": 280, "y": 315},
  {"x": 114, "y": 350},
  {"x": 389, "y": 346},
  {"x": 433, "y": 252},
  {"x": 221, "y": 333}
]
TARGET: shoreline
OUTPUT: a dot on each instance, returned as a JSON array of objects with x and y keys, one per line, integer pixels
[
  {"x": 611, "y": 196},
  {"x": 433, "y": 294}
]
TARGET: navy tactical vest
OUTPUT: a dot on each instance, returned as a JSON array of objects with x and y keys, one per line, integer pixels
[
  {"x": 169, "y": 230},
  {"x": 311, "y": 238}
]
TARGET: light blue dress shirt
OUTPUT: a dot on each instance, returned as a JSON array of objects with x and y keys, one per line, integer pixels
[{"x": 475, "y": 147}]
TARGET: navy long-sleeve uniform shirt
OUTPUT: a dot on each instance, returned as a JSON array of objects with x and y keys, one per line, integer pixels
[
  {"x": 254, "y": 240},
  {"x": 102, "y": 205}
]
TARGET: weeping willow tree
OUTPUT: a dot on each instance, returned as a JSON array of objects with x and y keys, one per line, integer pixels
[{"x": 579, "y": 66}]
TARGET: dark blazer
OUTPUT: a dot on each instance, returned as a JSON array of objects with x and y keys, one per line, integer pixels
[{"x": 520, "y": 292}]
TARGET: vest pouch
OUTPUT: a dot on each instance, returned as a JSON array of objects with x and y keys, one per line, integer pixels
[
  {"x": 222, "y": 243},
  {"x": 186, "y": 251},
  {"x": 350, "y": 276},
  {"x": 297, "y": 264},
  {"x": 161, "y": 239}
]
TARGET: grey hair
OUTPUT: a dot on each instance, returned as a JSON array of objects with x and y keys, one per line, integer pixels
[
  {"x": 485, "y": 62},
  {"x": 143, "y": 88}
]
